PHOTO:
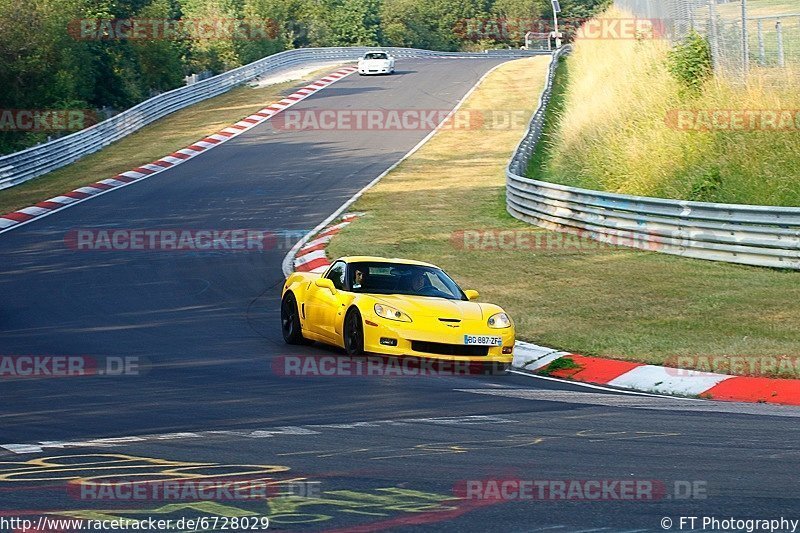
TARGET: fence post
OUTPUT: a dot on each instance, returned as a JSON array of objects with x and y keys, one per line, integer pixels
[
  {"x": 745, "y": 43},
  {"x": 762, "y": 54},
  {"x": 713, "y": 37}
]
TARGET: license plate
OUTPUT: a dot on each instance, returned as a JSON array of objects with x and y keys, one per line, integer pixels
[{"x": 483, "y": 340}]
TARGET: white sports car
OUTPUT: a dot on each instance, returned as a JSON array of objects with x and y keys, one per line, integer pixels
[{"x": 376, "y": 63}]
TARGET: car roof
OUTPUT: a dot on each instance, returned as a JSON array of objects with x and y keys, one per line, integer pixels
[{"x": 375, "y": 259}]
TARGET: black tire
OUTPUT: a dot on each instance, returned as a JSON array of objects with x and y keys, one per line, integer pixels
[
  {"x": 353, "y": 333},
  {"x": 290, "y": 321}
]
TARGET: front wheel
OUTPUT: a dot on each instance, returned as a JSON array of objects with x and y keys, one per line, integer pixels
[
  {"x": 290, "y": 321},
  {"x": 353, "y": 333}
]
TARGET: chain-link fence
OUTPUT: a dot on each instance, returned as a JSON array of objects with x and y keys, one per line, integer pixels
[
  {"x": 775, "y": 39},
  {"x": 743, "y": 34}
]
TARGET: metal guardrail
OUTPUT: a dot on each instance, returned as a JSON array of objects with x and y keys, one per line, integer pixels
[
  {"x": 21, "y": 166},
  {"x": 746, "y": 234}
]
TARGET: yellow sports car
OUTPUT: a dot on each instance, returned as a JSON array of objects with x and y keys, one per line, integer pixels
[{"x": 394, "y": 307}]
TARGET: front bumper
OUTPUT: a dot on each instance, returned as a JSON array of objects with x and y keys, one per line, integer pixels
[
  {"x": 416, "y": 338},
  {"x": 374, "y": 70}
]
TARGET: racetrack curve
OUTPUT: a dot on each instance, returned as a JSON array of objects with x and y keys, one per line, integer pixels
[{"x": 207, "y": 325}]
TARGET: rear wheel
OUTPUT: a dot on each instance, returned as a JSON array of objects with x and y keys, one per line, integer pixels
[
  {"x": 290, "y": 321},
  {"x": 353, "y": 333}
]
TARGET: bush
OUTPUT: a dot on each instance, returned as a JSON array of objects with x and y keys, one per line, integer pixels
[{"x": 690, "y": 62}]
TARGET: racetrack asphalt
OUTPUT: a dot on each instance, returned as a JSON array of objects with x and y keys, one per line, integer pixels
[{"x": 387, "y": 452}]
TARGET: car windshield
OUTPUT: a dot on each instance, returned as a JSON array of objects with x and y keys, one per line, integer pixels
[
  {"x": 376, "y": 55},
  {"x": 398, "y": 278}
]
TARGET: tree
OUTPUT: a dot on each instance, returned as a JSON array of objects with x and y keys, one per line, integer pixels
[
  {"x": 216, "y": 52},
  {"x": 160, "y": 61},
  {"x": 434, "y": 24},
  {"x": 351, "y": 23}
]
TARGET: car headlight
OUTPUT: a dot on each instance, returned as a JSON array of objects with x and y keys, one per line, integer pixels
[
  {"x": 385, "y": 311},
  {"x": 499, "y": 320}
]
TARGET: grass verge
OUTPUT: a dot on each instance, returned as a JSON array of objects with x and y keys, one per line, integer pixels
[
  {"x": 543, "y": 150},
  {"x": 156, "y": 140},
  {"x": 755, "y": 8},
  {"x": 568, "y": 293}
]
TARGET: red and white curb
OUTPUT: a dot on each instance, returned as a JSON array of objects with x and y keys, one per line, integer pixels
[
  {"x": 311, "y": 256},
  {"x": 658, "y": 379},
  {"x": 22, "y": 216}
]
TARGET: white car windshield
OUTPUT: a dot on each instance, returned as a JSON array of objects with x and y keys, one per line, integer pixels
[{"x": 376, "y": 55}]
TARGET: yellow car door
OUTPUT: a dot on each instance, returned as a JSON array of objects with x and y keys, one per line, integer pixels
[{"x": 323, "y": 303}]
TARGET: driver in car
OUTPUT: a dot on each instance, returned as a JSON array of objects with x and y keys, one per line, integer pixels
[{"x": 358, "y": 282}]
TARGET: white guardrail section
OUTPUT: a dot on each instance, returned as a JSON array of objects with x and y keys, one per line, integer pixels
[
  {"x": 21, "y": 166},
  {"x": 746, "y": 234}
]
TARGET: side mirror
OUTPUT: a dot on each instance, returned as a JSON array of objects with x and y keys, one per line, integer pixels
[
  {"x": 325, "y": 283},
  {"x": 472, "y": 295}
]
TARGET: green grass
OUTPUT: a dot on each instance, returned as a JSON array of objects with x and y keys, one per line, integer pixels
[
  {"x": 791, "y": 41},
  {"x": 612, "y": 131},
  {"x": 542, "y": 151},
  {"x": 562, "y": 363},
  {"x": 154, "y": 141},
  {"x": 579, "y": 297},
  {"x": 755, "y": 8}
]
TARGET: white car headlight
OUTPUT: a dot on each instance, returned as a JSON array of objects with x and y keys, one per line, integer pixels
[
  {"x": 499, "y": 320},
  {"x": 385, "y": 311}
]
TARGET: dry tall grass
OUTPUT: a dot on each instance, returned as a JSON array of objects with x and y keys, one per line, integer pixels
[{"x": 613, "y": 133}]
